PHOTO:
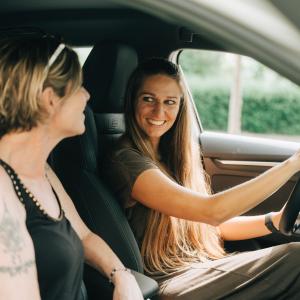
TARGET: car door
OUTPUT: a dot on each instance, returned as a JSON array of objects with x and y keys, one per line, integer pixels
[{"x": 231, "y": 160}]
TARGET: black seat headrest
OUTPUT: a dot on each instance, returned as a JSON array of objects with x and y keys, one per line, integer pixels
[{"x": 106, "y": 72}]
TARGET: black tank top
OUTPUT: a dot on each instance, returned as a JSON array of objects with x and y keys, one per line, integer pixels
[{"x": 58, "y": 249}]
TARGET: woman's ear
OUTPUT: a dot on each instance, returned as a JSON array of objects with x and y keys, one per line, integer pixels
[{"x": 50, "y": 100}]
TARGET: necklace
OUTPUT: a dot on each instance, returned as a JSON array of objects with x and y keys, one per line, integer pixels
[{"x": 19, "y": 187}]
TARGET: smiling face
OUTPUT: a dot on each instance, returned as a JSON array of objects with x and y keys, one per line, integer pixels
[{"x": 157, "y": 106}]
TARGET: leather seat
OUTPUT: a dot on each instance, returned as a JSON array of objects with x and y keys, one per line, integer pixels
[
  {"x": 76, "y": 162},
  {"x": 83, "y": 293}
]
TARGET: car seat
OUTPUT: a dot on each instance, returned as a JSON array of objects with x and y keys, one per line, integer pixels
[{"x": 76, "y": 162}]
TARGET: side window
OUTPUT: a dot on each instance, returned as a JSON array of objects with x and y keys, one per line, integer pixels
[{"x": 239, "y": 95}]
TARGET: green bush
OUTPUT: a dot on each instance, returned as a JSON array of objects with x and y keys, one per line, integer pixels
[
  {"x": 212, "y": 108},
  {"x": 273, "y": 112},
  {"x": 265, "y": 110}
]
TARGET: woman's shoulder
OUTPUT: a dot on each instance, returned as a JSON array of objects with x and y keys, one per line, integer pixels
[
  {"x": 2, "y": 189},
  {"x": 128, "y": 161},
  {"x": 5, "y": 182},
  {"x": 8, "y": 199},
  {"x": 128, "y": 153},
  {"x": 125, "y": 150}
]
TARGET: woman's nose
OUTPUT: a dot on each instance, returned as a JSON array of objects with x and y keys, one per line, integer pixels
[
  {"x": 87, "y": 94},
  {"x": 158, "y": 109}
]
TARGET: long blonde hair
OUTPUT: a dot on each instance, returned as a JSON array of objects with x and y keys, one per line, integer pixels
[{"x": 169, "y": 243}]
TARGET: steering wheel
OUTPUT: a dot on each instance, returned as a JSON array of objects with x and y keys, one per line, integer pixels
[{"x": 290, "y": 220}]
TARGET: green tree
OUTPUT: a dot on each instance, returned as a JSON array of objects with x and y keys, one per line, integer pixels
[{"x": 200, "y": 62}]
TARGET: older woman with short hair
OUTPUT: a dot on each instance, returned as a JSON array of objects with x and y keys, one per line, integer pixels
[{"x": 43, "y": 241}]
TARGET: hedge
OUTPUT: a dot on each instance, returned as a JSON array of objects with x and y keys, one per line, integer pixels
[{"x": 265, "y": 110}]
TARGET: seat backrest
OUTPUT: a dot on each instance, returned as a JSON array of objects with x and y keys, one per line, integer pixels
[
  {"x": 76, "y": 160},
  {"x": 106, "y": 73}
]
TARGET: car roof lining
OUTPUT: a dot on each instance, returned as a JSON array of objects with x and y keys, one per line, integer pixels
[
  {"x": 84, "y": 23},
  {"x": 89, "y": 26},
  {"x": 48, "y": 5}
]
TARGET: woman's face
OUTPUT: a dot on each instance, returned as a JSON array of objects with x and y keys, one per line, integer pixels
[
  {"x": 158, "y": 102},
  {"x": 70, "y": 115}
]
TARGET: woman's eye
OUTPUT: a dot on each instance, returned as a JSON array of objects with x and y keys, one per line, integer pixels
[
  {"x": 148, "y": 99},
  {"x": 170, "y": 102}
]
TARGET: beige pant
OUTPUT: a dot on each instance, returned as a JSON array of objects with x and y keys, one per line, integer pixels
[{"x": 271, "y": 273}]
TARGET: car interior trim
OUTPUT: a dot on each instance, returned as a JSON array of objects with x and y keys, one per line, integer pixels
[{"x": 247, "y": 163}]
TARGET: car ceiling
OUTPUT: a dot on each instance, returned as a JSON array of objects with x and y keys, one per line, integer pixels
[
  {"x": 34, "y": 5},
  {"x": 155, "y": 27},
  {"x": 290, "y": 8},
  {"x": 86, "y": 22},
  {"x": 81, "y": 20}
]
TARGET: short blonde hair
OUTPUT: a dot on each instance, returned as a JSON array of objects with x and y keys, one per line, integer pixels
[{"x": 24, "y": 75}]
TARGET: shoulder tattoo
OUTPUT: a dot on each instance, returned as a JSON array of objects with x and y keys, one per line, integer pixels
[{"x": 12, "y": 244}]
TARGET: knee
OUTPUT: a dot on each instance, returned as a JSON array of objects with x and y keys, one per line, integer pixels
[
  {"x": 294, "y": 248},
  {"x": 291, "y": 249}
]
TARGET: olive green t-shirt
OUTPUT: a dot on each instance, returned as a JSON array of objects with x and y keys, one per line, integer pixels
[{"x": 124, "y": 167}]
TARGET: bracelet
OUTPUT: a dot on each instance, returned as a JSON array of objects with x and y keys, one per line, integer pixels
[
  {"x": 269, "y": 223},
  {"x": 114, "y": 271}
]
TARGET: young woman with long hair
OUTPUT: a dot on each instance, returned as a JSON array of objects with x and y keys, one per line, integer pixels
[{"x": 155, "y": 169}]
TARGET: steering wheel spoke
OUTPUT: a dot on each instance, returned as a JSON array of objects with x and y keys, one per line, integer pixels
[
  {"x": 296, "y": 227},
  {"x": 290, "y": 219}
]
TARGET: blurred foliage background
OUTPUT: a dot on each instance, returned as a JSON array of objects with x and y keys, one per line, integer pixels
[{"x": 271, "y": 104}]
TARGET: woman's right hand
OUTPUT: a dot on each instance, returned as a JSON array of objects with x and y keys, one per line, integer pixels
[{"x": 126, "y": 287}]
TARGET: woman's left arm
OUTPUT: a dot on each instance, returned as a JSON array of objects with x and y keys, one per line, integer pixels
[
  {"x": 96, "y": 251},
  {"x": 247, "y": 227}
]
